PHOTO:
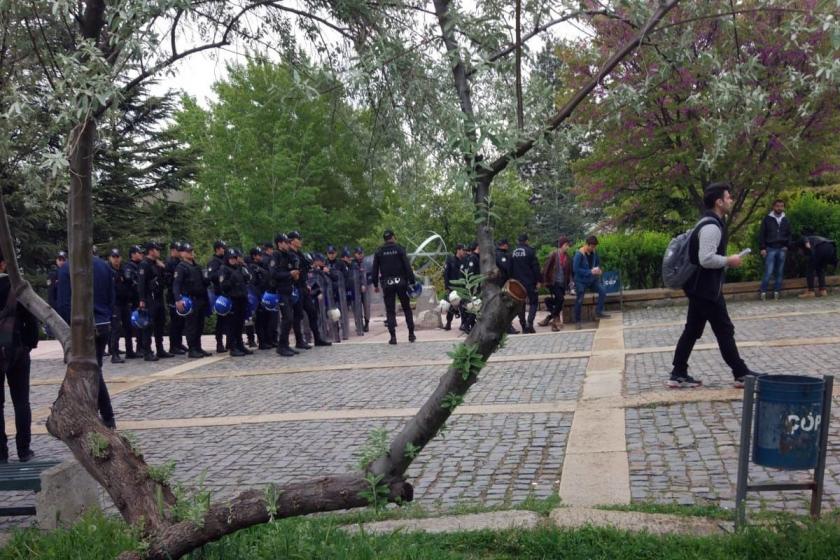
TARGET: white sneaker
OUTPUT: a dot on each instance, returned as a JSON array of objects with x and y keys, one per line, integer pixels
[
  {"x": 763, "y": 296},
  {"x": 776, "y": 296}
]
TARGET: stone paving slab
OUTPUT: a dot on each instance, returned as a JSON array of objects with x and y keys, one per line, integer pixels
[
  {"x": 653, "y": 523},
  {"x": 688, "y": 454},
  {"x": 767, "y": 329},
  {"x": 491, "y": 521},
  {"x": 649, "y": 371},
  {"x": 737, "y": 309},
  {"x": 54, "y": 369},
  {"x": 540, "y": 381}
]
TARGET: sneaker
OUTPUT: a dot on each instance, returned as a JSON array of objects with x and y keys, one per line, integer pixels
[
  {"x": 683, "y": 382},
  {"x": 738, "y": 383},
  {"x": 776, "y": 296},
  {"x": 763, "y": 296}
]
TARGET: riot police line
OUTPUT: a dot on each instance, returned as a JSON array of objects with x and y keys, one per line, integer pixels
[{"x": 260, "y": 300}]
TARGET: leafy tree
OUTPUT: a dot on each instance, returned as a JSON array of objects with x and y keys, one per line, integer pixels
[
  {"x": 276, "y": 154},
  {"x": 741, "y": 98}
]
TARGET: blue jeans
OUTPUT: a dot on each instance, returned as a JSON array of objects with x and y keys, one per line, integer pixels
[
  {"x": 593, "y": 286},
  {"x": 774, "y": 263}
]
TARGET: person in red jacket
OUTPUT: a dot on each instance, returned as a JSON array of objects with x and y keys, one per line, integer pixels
[{"x": 556, "y": 275}]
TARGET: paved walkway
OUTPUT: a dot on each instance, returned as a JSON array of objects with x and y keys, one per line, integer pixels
[{"x": 582, "y": 413}]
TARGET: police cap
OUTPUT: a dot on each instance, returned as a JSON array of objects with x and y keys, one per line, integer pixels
[
  {"x": 294, "y": 234},
  {"x": 267, "y": 245},
  {"x": 62, "y": 255},
  {"x": 281, "y": 238},
  {"x": 345, "y": 252},
  {"x": 459, "y": 246},
  {"x": 114, "y": 252},
  {"x": 523, "y": 237},
  {"x": 233, "y": 253},
  {"x": 219, "y": 244},
  {"x": 134, "y": 249},
  {"x": 503, "y": 241},
  {"x": 360, "y": 250},
  {"x": 175, "y": 245},
  {"x": 152, "y": 245},
  {"x": 330, "y": 248},
  {"x": 318, "y": 257},
  {"x": 255, "y": 251},
  {"x": 186, "y": 248},
  {"x": 387, "y": 234}
]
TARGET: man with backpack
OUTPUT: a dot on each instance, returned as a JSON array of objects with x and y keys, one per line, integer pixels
[
  {"x": 18, "y": 336},
  {"x": 706, "y": 245}
]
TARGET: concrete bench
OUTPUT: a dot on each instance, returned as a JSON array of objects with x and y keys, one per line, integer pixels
[{"x": 22, "y": 476}]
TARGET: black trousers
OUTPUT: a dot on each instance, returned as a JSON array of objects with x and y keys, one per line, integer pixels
[
  {"x": 823, "y": 256},
  {"x": 701, "y": 311},
  {"x": 221, "y": 329},
  {"x": 305, "y": 305},
  {"x": 558, "y": 292},
  {"x": 390, "y": 294},
  {"x": 119, "y": 327},
  {"x": 236, "y": 322},
  {"x": 194, "y": 323},
  {"x": 176, "y": 328},
  {"x": 103, "y": 399},
  {"x": 262, "y": 322},
  {"x": 286, "y": 313},
  {"x": 157, "y": 325},
  {"x": 533, "y": 301},
  {"x": 15, "y": 370}
]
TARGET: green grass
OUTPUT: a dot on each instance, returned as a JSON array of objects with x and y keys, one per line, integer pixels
[{"x": 318, "y": 537}]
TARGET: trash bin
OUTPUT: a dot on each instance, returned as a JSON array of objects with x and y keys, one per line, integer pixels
[{"x": 788, "y": 421}]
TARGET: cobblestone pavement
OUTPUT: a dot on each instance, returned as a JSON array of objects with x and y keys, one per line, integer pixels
[
  {"x": 688, "y": 454},
  {"x": 740, "y": 309},
  {"x": 510, "y": 383}
]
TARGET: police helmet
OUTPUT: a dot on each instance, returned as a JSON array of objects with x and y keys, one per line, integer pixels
[
  {"x": 253, "y": 303},
  {"x": 188, "y": 306},
  {"x": 270, "y": 301},
  {"x": 222, "y": 306},
  {"x": 140, "y": 318},
  {"x": 415, "y": 290}
]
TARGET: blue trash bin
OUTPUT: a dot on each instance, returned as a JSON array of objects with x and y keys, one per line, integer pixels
[{"x": 788, "y": 419}]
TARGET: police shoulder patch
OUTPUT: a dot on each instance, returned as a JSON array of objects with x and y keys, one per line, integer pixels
[{"x": 176, "y": 274}]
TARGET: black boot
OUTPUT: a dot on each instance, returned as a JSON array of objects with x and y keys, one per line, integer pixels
[
  {"x": 115, "y": 359},
  {"x": 195, "y": 354},
  {"x": 393, "y": 339},
  {"x": 220, "y": 347},
  {"x": 150, "y": 357},
  {"x": 176, "y": 350},
  {"x": 411, "y": 337},
  {"x": 286, "y": 351},
  {"x": 25, "y": 455},
  {"x": 322, "y": 342},
  {"x": 367, "y": 326}
]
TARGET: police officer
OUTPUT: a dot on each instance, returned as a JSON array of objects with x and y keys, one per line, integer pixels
[
  {"x": 189, "y": 280},
  {"x": 150, "y": 286},
  {"x": 525, "y": 268},
  {"x": 271, "y": 329},
  {"x": 391, "y": 263},
  {"x": 452, "y": 270},
  {"x": 52, "y": 278},
  {"x": 503, "y": 264},
  {"x": 233, "y": 283},
  {"x": 213, "y": 267},
  {"x": 259, "y": 285},
  {"x": 176, "y": 322},
  {"x": 364, "y": 281},
  {"x": 132, "y": 276},
  {"x": 304, "y": 304},
  {"x": 122, "y": 301},
  {"x": 283, "y": 276}
]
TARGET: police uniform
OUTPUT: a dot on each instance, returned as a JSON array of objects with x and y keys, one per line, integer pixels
[
  {"x": 233, "y": 283},
  {"x": 122, "y": 303},
  {"x": 212, "y": 274},
  {"x": 503, "y": 264},
  {"x": 176, "y": 322},
  {"x": 452, "y": 270},
  {"x": 150, "y": 288},
  {"x": 259, "y": 285},
  {"x": 131, "y": 274},
  {"x": 391, "y": 264},
  {"x": 364, "y": 281},
  {"x": 280, "y": 269},
  {"x": 189, "y": 280},
  {"x": 303, "y": 263},
  {"x": 525, "y": 268}
]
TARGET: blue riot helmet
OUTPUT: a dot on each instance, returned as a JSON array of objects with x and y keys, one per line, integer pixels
[
  {"x": 222, "y": 306},
  {"x": 295, "y": 295},
  {"x": 415, "y": 290},
  {"x": 270, "y": 301},
  {"x": 140, "y": 318},
  {"x": 188, "y": 306},
  {"x": 253, "y": 303}
]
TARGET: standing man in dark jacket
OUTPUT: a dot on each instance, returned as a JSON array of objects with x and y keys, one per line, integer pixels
[
  {"x": 15, "y": 368},
  {"x": 391, "y": 262},
  {"x": 707, "y": 250},
  {"x": 52, "y": 278},
  {"x": 150, "y": 286},
  {"x": 122, "y": 302},
  {"x": 216, "y": 262},
  {"x": 774, "y": 238},
  {"x": 176, "y": 322},
  {"x": 233, "y": 283},
  {"x": 452, "y": 270},
  {"x": 188, "y": 280},
  {"x": 283, "y": 277},
  {"x": 525, "y": 268},
  {"x": 103, "y": 304},
  {"x": 304, "y": 305},
  {"x": 259, "y": 285}
]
